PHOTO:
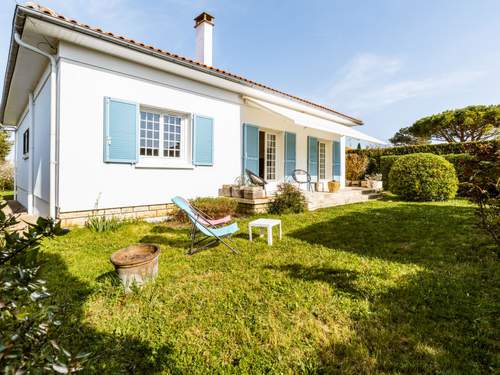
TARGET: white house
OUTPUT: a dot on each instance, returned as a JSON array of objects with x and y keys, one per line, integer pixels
[{"x": 106, "y": 122}]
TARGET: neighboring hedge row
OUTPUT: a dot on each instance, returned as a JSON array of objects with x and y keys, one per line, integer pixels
[
  {"x": 462, "y": 163},
  {"x": 482, "y": 151},
  {"x": 386, "y": 163}
]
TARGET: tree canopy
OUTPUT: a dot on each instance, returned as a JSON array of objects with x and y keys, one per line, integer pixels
[
  {"x": 404, "y": 137},
  {"x": 469, "y": 124}
]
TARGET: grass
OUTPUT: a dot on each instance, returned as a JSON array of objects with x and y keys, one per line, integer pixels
[{"x": 380, "y": 287}]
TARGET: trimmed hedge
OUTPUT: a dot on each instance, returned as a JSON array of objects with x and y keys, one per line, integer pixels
[
  {"x": 462, "y": 163},
  {"x": 386, "y": 163},
  {"x": 464, "y": 167},
  {"x": 423, "y": 177},
  {"x": 485, "y": 150}
]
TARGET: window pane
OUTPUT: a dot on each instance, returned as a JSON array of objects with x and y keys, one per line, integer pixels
[
  {"x": 322, "y": 161},
  {"x": 172, "y": 136},
  {"x": 270, "y": 156},
  {"x": 150, "y": 134}
]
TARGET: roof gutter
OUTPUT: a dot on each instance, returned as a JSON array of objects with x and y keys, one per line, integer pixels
[{"x": 53, "y": 119}]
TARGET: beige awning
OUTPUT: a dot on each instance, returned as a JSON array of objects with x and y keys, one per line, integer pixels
[{"x": 314, "y": 122}]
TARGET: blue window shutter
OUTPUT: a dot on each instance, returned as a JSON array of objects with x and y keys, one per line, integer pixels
[
  {"x": 312, "y": 157},
  {"x": 290, "y": 152},
  {"x": 336, "y": 160},
  {"x": 120, "y": 131},
  {"x": 203, "y": 140},
  {"x": 250, "y": 148}
]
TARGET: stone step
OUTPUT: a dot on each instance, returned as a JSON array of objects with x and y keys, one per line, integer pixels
[{"x": 319, "y": 200}]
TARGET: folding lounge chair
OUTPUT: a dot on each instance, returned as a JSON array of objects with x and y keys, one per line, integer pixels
[
  {"x": 203, "y": 233},
  {"x": 205, "y": 218},
  {"x": 301, "y": 176},
  {"x": 256, "y": 180}
]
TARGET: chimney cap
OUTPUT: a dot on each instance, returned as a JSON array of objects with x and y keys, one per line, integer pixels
[{"x": 204, "y": 17}]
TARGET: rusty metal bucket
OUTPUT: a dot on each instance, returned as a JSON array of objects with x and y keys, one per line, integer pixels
[{"x": 136, "y": 264}]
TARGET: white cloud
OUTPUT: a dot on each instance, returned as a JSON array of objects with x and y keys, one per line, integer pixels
[{"x": 372, "y": 82}]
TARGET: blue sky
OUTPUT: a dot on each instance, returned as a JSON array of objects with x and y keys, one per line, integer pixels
[{"x": 388, "y": 62}]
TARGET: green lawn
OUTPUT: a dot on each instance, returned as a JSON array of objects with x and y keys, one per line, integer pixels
[{"x": 380, "y": 287}]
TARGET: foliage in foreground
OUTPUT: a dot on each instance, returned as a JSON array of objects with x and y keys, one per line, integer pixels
[
  {"x": 289, "y": 199},
  {"x": 423, "y": 177},
  {"x": 27, "y": 321},
  {"x": 484, "y": 191}
]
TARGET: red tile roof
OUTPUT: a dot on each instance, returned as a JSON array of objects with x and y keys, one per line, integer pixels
[{"x": 52, "y": 13}]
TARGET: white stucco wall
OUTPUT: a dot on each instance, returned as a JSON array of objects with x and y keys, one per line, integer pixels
[
  {"x": 41, "y": 150},
  {"x": 85, "y": 182},
  {"x": 83, "y": 176},
  {"x": 267, "y": 120},
  {"x": 37, "y": 160},
  {"x": 21, "y": 163}
]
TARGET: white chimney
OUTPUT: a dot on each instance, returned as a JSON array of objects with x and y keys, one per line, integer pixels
[{"x": 204, "y": 26}]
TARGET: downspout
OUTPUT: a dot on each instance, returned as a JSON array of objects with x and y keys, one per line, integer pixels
[
  {"x": 53, "y": 119},
  {"x": 31, "y": 155}
]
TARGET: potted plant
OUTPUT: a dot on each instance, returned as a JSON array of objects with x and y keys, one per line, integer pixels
[{"x": 333, "y": 186}]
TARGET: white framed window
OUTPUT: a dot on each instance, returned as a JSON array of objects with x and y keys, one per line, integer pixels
[
  {"x": 26, "y": 143},
  {"x": 322, "y": 160},
  {"x": 270, "y": 156},
  {"x": 162, "y": 135}
]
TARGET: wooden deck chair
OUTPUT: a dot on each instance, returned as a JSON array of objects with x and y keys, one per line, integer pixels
[{"x": 203, "y": 233}]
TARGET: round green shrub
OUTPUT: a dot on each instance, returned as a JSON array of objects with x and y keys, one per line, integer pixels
[{"x": 423, "y": 177}]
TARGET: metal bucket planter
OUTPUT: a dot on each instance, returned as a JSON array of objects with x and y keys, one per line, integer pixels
[{"x": 136, "y": 263}]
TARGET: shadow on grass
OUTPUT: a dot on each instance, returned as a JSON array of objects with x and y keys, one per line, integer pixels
[
  {"x": 109, "y": 277},
  {"x": 111, "y": 354},
  {"x": 441, "y": 318},
  {"x": 341, "y": 280},
  {"x": 168, "y": 236},
  {"x": 178, "y": 237},
  {"x": 407, "y": 233}
]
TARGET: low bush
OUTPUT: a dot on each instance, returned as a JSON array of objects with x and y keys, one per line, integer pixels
[
  {"x": 214, "y": 207},
  {"x": 423, "y": 177},
  {"x": 386, "y": 163},
  {"x": 6, "y": 176},
  {"x": 103, "y": 224},
  {"x": 356, "y": 166},
  {"x": 288, "y": 200}
]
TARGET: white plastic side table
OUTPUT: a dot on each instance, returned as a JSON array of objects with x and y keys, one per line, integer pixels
[{"x": 265, "y": 223}]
